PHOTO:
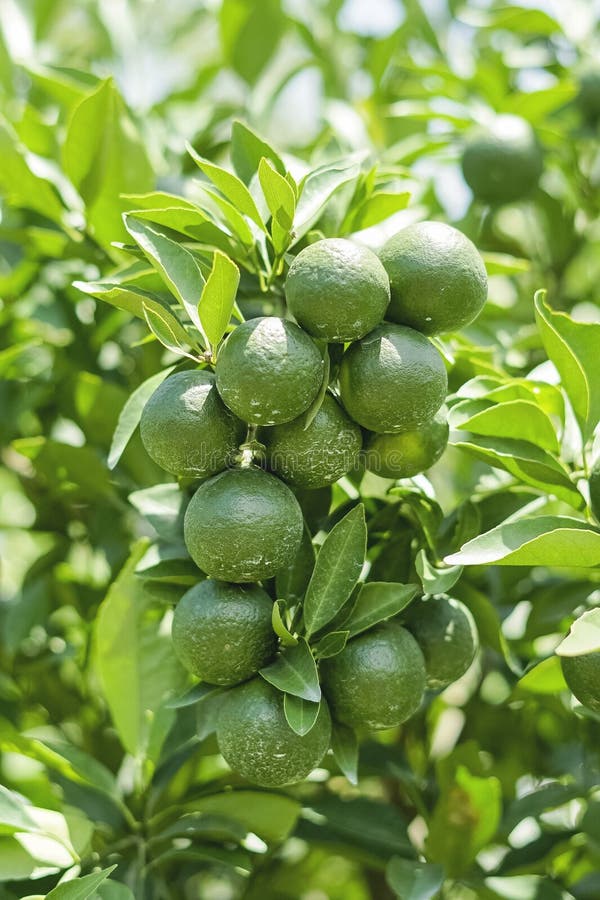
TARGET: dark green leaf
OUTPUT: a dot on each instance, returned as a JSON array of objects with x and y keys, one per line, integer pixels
[
  {"x": 279, "y": 626},
  {"x": 344, "y": 746},
  {"x": 331, "y": 644},
  {"x": 412, "y": 880},
  {"x": 301, "y": 714},
  {"x": 80, "y": 888},
  {"x": 131, "y": 414},
  {"x": 436, "y": 580},
  {"x": 377, "y": 601},
  {"x": 295, "y": 672}
]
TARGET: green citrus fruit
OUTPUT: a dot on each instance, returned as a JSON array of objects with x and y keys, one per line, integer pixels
[
  {"x": 392, "y": 380},
  {"x": 269, "y": 371},
  {"x": 243, "y": 525},
  {"x": 257, "y": 742},
  {"x": 378, "y": 679},
  {"x": 187, "y": 429},
  {"x": 315, "y": 456},
  {"x": 446, "y": 633},
  {"x": 407, "y": 453},
  {"x": 437, "y": 277},
  {"x": 588, "y": 97},
  {"x": 594, "y": 485},
  {"x": 222, "y": 632},
  {"x": 502, "y": 164},
  {"x": 582, "y": 674},
  {"x": 337, "y": 290}
]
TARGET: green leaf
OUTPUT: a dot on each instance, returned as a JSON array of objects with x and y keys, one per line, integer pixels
[
  {"x": 336, "y": 571},
  {"x": 19, "y": 185},
  {"x": 331, "y": 644},
  {"x": 545, "y": 677},
  {"x": 250, "y": 34},
  {"x": 230, "y": 186},
  {"x": 281, "y": 201},
  {"x": 176, "y": 265},
  {"x": 583, "y": 636},
  {"x": 196, "y": 694},
  {"x": 162, "y": 505},
  {"x": 377, "y": 601},
  {"x": 247, "y": 150},
  {"x": 436, "y": 580},
  {"x": 162, "y": 325},
  {"x": 13, "y": 813},
  {"x": 133, "y": 648},
  {"x": 80, "y": 888},
  {"x": 301, "y": 714},
  {"x": 412, "y": 880},
  {"x": 270, "y": 816},
  {"x": 104, "y": 157},
  {"x": 291, "y": 582},
  {"x": 317, "y": 189},
  {"x": 527, "y": 463},
  {"x": 464, "y": 820},
  {"x": 218, "y": 298},
  {"x": 295, "y": 672},
  {"x": 279, "y": 627},
  {"x": 519, "y": 419},
  {"x": 315, "y": 406},
  {"x": 380, "y": 206},
  {"x": 131, "y": 413},
  {"x": 344, "y": 746},
  {"x": 504, "y": 264},
  {"x": 178, "y": 214},
  {"x": 114, "y": 890},
  {"x": 557, "y": 541},
  {"x": 573, "y": 348}
]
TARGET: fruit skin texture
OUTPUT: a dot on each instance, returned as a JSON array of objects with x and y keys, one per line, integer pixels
[
  {"x": 378, "y": 679},
  {"x": 407, "y": 453},
  {"x": 337, "y": 290},
  {"x": 242, "y": 525},
  {"x": 437, "y": 277},
  {"x": 222, "y": 633},
  {"x": 594, "y": 485},
  {"x": 257, "y": 742},
  {"x": 582, "y": 674},
  {"x": 187, "y": 429},
  {"x": 268, "y": 371},
  {"x": 502, "y": 164},
  {"x": 317, "y": 456},
  {"x": 392, "y": 380},
  {"x": 446, "y": 633}
]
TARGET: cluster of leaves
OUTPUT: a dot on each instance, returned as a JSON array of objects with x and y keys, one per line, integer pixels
[{"x": 490, "y": 792}]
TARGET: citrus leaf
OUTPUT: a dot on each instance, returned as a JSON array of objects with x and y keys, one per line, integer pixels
[
  {"x": 519, "y": 419},
  {"x": 583, "y": 636},
  {"x": 336, "y": 571},
  {"x": 546, "y": 677},
  {"x": 13, "y": 813},
  {"x": 80, "y": 888},
  {"x": 281, "y": 201},
  {"x": 317, "y": 403},
  {"x": 279, "y": 627},
  {"x": 196, "y": 694},
  {"x": 230, "y": 186},
  {"x": 169, "y": 332},
  {"x": 556, "y": 541},
  {"x": 131, "y": 414},
  {"x": 377, "y": 601},
  {"x": 301, "y": 714},
  {"x": 295, "y": 672},
  {"x": 247, "y": 150},
  {"x": 291, "y": 582},
  {"x": 436, "y": 580},
  {"x": 573, "y": 348},
  {"x": 344, "y": 746},
  {"x": 331, "y": 644},
  {"x": 412, "y": 880},
  {"x": 218, "y": 297},
  {"x": 315, "y": 191}
]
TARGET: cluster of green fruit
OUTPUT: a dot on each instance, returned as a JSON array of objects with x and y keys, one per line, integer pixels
[{"x": 271, "y": 392}]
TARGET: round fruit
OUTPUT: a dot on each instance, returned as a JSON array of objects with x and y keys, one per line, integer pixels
[
  {"x": 337, "y": 290},
  {"x": 269, "y": 371},
  {"x": 393, "y": 379},
  {"x": 437, "y": 277},
  {"x": 503, "y": 163},
  {"x": 186, "y": 428},
  {"x": 582, "y": 674},
  {"x": 407, "y": 453},
  {"x": 446, "y": 633},
  {"x": 257, "y": 742},
  {"x": 243, "y": 525},
  {"x": 594, "y": 486},
  {"x": 378, "y": 679},
  {"x": 588, "y": 97},
  {"x": 222, "y": 632},
  {"x": 317, "y": 456}
]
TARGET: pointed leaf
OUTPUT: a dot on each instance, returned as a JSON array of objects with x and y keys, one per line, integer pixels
[
  {"x": 331, "y": 644},
  {"x": 546, "y": 677},
  {"x": 247, "y": 150},
  {"x": 583, "y": 636},
  {"x": 80, "y": 888},
  {"x": 436, "y": 580},
  {"x": 171, "y": 335},
  {"x": 556, "y": 541},
  {"x": 218, "y": 298},
  {"x": 378, "y": 600},
  {"x": 131, "y": 414},
  {"x": 317, "y": 403},
  {"x": 230, "y": 186},
  {"x": 279, "y": 627},
  {"x": 291, "y": 582},
  {"x": 295, "y": 672},
  {"x": 518, "y": 419},
  {"x": 317, "y": 189},
  {"x": 336, "y": 571},
  {"x": 301, "y": 714},
  {"x": 344, "y": 746},
  {"x": 196, "y": 694},
  {"x": 281, "y": 201}
]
